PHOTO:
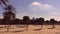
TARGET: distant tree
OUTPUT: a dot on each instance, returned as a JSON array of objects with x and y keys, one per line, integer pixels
[
  {"x": 52, "y": 21},
  {"x": 58, "y": 22},
  {"x": 36, "y": 21},
  {"x": 41, "y": 21},
  {"x": 26, "y": 20},
  {"x": 17, "y": 21},
  {"x": 47, "y": 22},
  {"x": 33, "y": 18}
]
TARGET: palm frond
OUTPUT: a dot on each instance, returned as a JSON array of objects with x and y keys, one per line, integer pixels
[
  {"x": 6, "y": 0},
  {"x": 3, "y": 2}
]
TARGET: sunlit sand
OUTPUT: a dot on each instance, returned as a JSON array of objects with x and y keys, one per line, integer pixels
[{"x": 32, "y": 29}]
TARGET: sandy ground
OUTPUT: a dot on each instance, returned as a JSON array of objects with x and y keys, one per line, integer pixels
[{"x": 32, "y": 29}]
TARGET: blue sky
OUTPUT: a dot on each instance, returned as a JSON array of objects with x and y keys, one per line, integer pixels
[{"x": 36, "y": 8}]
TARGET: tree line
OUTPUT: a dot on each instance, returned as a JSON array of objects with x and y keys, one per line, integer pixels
[{"x": 27, "y": 20}]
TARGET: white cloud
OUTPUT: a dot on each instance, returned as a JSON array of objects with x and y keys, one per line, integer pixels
[
  {"x": 40, "y": 4},
  {"x": 37, "y": 9},
  {"x": 35, "y": 3}
]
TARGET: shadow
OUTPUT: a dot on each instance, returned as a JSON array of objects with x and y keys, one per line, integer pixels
[
  {"x": 50, "y": 28},
  {"x": 3, "y": 31},
  {"x": 37, "y": 29},
  {"x": 11, "y": 28},
  {"x": 22, "y": 26},
  {"x": 1, "y": 27},
  {"x": 18, "y": 31},
  {"x": 12, "y": 31},
  {"x": 36, "y": 24}
]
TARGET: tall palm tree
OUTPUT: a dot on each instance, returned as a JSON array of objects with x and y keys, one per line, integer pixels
[
  {"x": 9, "y": 14},
  {"x": 52, "y": 21},
  {"x": 4, "y": 3},
  {"x": 26, "y": 20}
]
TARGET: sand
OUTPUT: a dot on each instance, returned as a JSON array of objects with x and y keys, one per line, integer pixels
[{"x": 32, "y": 29}]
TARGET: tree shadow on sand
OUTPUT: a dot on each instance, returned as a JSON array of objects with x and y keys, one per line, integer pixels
[
  {"x": 41, "y": 27},
  {"x": 21, "y": 26},
  {"x": 51, "y": 28},
  {"x": 12, "y": 31},
  {"x": 37, "y": 29},
  {"x": 1, "y": 27},
  {"x": 18, "y": 31},
  {"x": 2, "y": 31}
]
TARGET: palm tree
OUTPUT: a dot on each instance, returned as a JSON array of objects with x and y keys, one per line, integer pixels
[
  {"x": 3, "y": 2},
  {"x": 53, "y": 22},
  {"x": 9, "y": 14},
  {"x": 26, "y": 20}
]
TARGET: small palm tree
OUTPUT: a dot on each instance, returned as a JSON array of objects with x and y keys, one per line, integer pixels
[{"x": 26, "y": 20}]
